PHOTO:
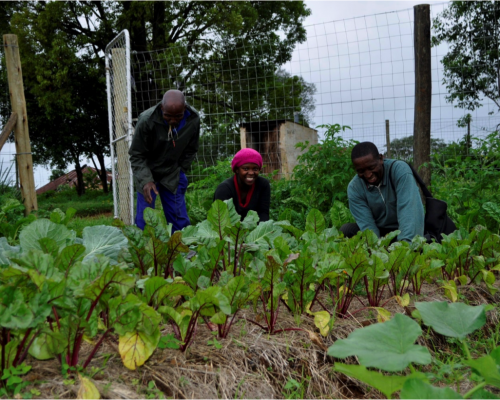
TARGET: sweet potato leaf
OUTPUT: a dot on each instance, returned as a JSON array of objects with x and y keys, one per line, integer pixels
[{"x": 388, "y": 346}]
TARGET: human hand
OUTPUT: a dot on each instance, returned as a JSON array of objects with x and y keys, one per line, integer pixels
[{"x": 147, "y": 191}]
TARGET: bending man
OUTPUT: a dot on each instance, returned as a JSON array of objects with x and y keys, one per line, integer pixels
[
  {"x": 384, "y": 196},
  {"x": 164, "y": 145}
]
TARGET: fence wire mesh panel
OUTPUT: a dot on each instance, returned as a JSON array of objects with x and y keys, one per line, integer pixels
[
  {"x": 118, "y": 81},
  {"x": 358, "y": 72}
]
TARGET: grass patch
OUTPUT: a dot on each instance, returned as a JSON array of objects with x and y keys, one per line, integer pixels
[
  {"x": 78, "y": 223},
  {"x": 93, "y": 202}
]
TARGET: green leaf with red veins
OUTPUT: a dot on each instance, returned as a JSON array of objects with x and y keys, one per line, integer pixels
[
  {"x": 218, "y": 217},
  {"x": 315, "y": 222},
  {"x": 158, "y": 226},
  {"x": 234, "y": 217},
  {"x": 112, "y": 277},
  {"x": 157, "y": 289}
]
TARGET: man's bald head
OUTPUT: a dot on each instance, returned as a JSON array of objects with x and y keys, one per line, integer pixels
[
  {"x": 173, "y": 98},
  {"x": 173, "y": 106}
]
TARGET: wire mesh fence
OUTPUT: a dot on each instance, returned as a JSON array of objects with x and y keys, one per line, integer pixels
[{"x": 358, "y": 72}]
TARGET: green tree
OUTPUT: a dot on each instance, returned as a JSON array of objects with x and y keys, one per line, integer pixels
[
  {"x": 472, "y": 64},
  {"x": 402, "y": 148},
  {"x": 56, "y": 173}
]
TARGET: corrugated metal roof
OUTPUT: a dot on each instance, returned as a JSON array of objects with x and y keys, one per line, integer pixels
[{"x": 69, "y": 179}]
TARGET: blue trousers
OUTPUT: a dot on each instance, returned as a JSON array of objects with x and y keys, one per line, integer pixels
[{"x": 174, "y": 205}]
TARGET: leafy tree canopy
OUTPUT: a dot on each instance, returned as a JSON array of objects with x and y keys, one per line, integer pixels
[
  {"x": 472, "y": 65},
  {"x": 62, "y": 46}
]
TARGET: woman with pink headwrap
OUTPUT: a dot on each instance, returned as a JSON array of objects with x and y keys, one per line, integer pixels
[{"x": 248, "y": 190}]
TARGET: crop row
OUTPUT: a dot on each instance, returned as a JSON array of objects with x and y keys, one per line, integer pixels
[{"x": 57, "y": 290}]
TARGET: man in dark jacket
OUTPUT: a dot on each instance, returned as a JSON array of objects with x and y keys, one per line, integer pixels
[{"x": 164, "y": 145}]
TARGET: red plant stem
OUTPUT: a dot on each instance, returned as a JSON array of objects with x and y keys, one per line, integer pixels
[
  {"x": 236, "y": 253},
  {"x": 228, "y": 328},
  {"x": 315, "y": 296},
  {"x": 191, "y": 330},
  {"x": 380, "y": 294},
  {"x": 361, "y": 301},
  {"x": 358, "y": 310},
  {"x": 76, "y": 348},
  {"x": 286, "y": 330},
  {"x": 393, "y": 286},
  {"x": 25, "y": 353},
  {"x": 286, "y": 305},
  {"x": 240, "y": 254},
  {"x": 274, "y": 316},
  {"x": 213, "y": 273},
  {"x": 301, "y": 302},
  {"x": 177, "y": 331},
  {"x": 229, "y": 254},
  {"x": 94, "y": 303},
  {"x": 141, "y": 263},
  {"x": 265, "y": 309},
  {"x": 256, "y": 323},
  {"x": 167, "y": 268},
  {"x": 475, "y": 276},
  {"x": 388, "y": 300},
  {"x": 94, "y": 350},
  {"x": 154, "y": 259},
  {"x": 56, "y": 317},
  {"x": 368, "y": 295},
  {"x": 323, "y": 307},
  {"x": 21, "y": 346}
]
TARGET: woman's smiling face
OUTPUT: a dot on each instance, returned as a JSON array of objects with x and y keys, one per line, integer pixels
[{"x": 247, "y": 173}]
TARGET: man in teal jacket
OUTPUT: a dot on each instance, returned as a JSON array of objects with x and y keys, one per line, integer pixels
[
  {"x": 384, "y": 196},
  {"x": 164, "y": 145}
]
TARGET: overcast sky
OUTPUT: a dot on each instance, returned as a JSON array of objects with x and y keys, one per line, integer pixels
[
  {"x": 326, "y": 11},
  {"x": 360, "y": 56}
]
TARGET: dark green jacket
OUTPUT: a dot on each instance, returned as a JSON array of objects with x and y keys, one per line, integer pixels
[{"x": 154, "y": 158}]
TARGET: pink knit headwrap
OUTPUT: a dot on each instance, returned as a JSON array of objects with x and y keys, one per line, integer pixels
[{"x": 246, "y": 156}]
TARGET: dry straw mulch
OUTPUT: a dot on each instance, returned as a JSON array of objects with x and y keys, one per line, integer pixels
[{"x": 251, "y": 364}]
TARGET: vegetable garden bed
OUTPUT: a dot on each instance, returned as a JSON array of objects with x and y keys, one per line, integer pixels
[{"x": 229, "y": 308}]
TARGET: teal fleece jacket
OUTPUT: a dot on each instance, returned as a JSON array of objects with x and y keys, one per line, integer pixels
[{"x": 399, "y": 207}]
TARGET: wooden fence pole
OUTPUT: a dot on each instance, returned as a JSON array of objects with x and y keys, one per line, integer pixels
[
  {"x": 7, "y": 129},
  {"x": 21, "y": 130},
  {"x": 423, "y": 91},
  {"x": 388, "y": 138}
]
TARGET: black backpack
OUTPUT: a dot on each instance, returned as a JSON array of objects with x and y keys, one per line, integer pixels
[{"x": 436, "y": 219}]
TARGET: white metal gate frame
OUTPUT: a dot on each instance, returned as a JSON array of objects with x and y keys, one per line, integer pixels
[{"x": 130, "y": 129}]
